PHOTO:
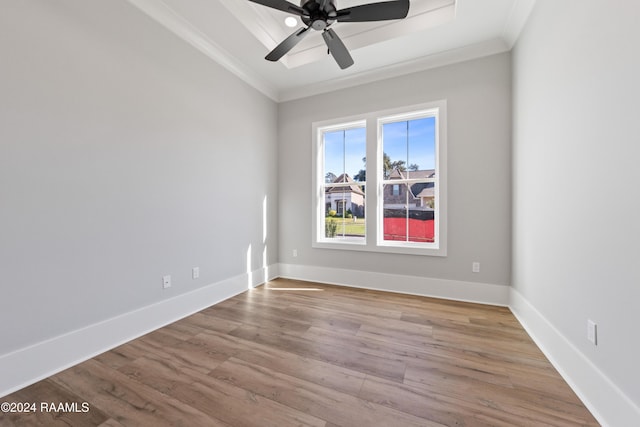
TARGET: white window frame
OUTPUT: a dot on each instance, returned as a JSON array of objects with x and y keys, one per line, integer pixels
[
  {"x": 374, "y": 198},
  {"x": 319, "y": 185}
]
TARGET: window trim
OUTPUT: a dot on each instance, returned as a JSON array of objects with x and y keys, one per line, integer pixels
[
  {"x": 318, "y": 238},
  {"x": 374, "y": 241}
]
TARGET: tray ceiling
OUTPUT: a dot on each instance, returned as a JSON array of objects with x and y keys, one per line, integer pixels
[{"x": 238, "y": 34}]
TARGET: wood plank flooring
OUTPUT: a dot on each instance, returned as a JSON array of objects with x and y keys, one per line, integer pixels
[{"x": 304, "y": 354}]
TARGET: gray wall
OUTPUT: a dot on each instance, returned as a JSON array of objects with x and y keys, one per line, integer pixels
[
  {"x": 125, "y": 155},
  {"x": 576, "y": 151},
  {"x": 479, "y": 170}
]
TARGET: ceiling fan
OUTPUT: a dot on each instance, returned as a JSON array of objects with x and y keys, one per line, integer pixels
[{"x": 320, "y": 14}]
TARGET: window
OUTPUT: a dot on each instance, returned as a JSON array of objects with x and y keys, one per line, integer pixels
[
  {"x": 343, "y": 149},
  {"x": 408, "y": 178},
  {"x": 396, "y": 162}
]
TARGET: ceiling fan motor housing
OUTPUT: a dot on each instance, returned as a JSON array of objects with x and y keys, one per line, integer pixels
[{"x": 318, "y": 19}]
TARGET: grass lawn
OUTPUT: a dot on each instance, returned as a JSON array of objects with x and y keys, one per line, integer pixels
[{"x": 347, "y": 226}]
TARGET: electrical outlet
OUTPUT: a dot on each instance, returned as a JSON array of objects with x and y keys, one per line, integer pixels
[
  {"x": 195, "y": 272},
  {"x": 295, "y": 253},
  {"x": 592, "y": 332},
  {"x": 475, "y": 267},
  {"x": 166, "y": 282}
]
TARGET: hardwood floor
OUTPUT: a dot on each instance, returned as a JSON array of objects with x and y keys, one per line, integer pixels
[{"x": 297, "y": 353}]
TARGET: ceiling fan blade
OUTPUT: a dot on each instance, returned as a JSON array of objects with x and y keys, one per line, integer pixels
[
  {"x": 287, "y": 44},
  {"x": 337, "y": 49},
  {"x": 382, "y": 11},
  {"x": 282, "y": 5}
]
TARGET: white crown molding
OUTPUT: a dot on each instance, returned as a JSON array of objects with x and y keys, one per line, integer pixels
[
  {"x": 516, "y": 20},
  {"x": 164, "y": 15},
  {"x": 466, "y": 53},
  {"x": 264, "y": 26}
]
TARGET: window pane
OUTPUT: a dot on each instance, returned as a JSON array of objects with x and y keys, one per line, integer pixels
[
  {"x": 422, "y": 214},
  {"x": 344, "y": 155},
  {"x": 355, "y": 153},
  {"x": 344, "y": 213},
  {"x": 394, "y": 146},
  {"x": 421, "y": 148},
  {"x": 395, "y": 212},
  {"x": 333, "y": 155},
  {"x": 409, "y": 148},
  {"x": 409, "y": 217}
]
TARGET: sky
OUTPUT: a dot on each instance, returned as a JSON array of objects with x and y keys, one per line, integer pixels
[{"x": 345, "y": 149}]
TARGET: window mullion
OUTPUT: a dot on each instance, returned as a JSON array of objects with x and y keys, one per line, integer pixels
[
  {"x": 372, "y": 168},
  {"x": 408, "y": 181}
]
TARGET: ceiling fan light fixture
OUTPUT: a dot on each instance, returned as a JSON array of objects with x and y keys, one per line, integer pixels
[{"x": 291, "y": 22}]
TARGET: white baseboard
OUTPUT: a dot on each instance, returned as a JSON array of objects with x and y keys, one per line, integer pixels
[
  {"x": 483, "y": 293},
  {"x": 36, "y": 362},
  {"x": 608, "y": 404},
  {"x": 605, "y": 400}
]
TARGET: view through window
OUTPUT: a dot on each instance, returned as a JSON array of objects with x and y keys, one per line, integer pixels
[
  {"x": 379, "y": 181},
  {"x": 409, "y": 180},
  {"x": 344, "y": 195}
]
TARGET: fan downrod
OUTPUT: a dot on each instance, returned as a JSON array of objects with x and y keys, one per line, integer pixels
[{"x": 318, "y": 18}]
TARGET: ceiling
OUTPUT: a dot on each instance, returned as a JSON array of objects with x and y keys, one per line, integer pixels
[{"x": 238, "y": 34}]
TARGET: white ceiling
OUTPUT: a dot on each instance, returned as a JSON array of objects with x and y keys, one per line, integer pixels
[{"x": 239, "y": 33}]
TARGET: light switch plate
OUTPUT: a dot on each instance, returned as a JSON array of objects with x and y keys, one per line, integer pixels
[
  {"x": 475, "y": 267},
  {"x": 592, "y": 332},
  {"x": 166, "y": 282}
]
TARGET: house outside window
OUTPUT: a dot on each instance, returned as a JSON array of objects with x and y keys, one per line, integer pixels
[{"x": 396, "y": 162}]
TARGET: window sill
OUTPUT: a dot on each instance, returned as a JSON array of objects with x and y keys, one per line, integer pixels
[{"x": 406, "y": 249}]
